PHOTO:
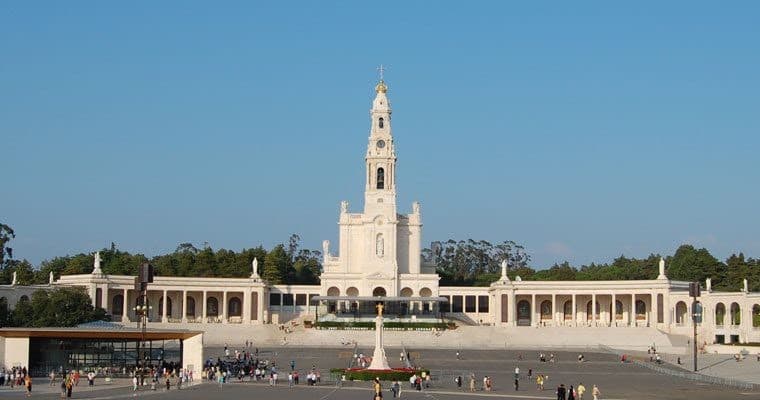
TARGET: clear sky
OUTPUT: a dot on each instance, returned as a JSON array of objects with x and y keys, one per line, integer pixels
[{"x": 580, "y": 130}]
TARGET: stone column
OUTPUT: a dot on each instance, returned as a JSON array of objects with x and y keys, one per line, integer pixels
[
  {"x": 574, "y": 320},
  {"x": 512, "y": 315},
  {"x": 260, "y": 306},
  {"x": 533, "y": 320},
  {"x": 204, "y": 306},
  {"x": 633, "y": 309},
  {"x": 104, "y": 299},
  {"x": 247, "y": 305},
  {"x": 666, "y": 310},
  {"x": 224, "y": 307},
  {"x": 593, "y": 309},
  {"x": 166, "y": 305},
  {"x": 554, "y": 309},
  {"x": 614, "y": 311},
  {"x": 126, "y": 303},
  {"x": 184, "y": 306}
]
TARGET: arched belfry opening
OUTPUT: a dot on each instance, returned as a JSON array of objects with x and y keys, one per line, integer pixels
[
  {"x": 380, "y": 178},
  {"x": 381, "y": 123}
]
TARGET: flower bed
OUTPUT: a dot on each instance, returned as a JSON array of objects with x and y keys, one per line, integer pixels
[{"x": 358, "y": 374}]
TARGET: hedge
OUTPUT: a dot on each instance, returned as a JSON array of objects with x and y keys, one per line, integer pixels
[
  {"x": 368, "y": 375},
  {"x": 403, "y": 326}
]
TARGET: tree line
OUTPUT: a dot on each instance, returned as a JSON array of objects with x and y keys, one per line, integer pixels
[{"x": 459, "y": 262}]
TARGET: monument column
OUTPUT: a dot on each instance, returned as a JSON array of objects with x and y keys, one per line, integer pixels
[
  {"x": 593, "y": 309},
  {"x": 533, "y": 320}
]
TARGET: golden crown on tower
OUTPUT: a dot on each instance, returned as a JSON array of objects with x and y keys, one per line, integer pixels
[{"x": 381, "y": 87}]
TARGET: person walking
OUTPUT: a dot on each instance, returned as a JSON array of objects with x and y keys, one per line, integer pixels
[
  {"x": 52, "y": 378},
  {"x": 571, "y": 393},
  {"x": 561, "y": 392},
  {"x": 472, "y": 382},
  {"x": 581, "y": 390},
  {"x": 134, "y": 383},
  {"x": 28, "y": 384},
  {"x": 595, "y": 392},
  {"x": 378, "y": 389},
  {"x": 540, "y": 382}
]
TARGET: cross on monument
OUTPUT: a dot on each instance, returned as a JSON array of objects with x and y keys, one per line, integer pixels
[{"x": 381, "y": 69}]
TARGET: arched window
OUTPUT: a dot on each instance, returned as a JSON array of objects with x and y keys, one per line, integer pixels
[
  {"x": 523, "y": 313},
  {"x": 212, "y": 307},
  {"x": 380, "y": 178},
  {"x": 720, "y": 314},
  {"x": 618, "y": 309},
  {"x": 190, "y": 312},
  {"x": 117, "y": 305},
  {"x": 567, "y": 310},
  {"x": 378, "y": 292},
  {"x": 681, "y": 313},
  {"x": 234, "y": 307},
  {"x": 24, "y": 298},
  {"x": 755, "y": 316},
  {"x": 736, "y": 314},
  {"x": 641, "y": 309},
  {"x": 546, "y": 310},
  {"x": 380, "y": 122},
  {"x": 333, "y": 291}
]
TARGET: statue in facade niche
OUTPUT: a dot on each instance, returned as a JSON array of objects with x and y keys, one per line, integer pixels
[{"x": 379, "y": 246}]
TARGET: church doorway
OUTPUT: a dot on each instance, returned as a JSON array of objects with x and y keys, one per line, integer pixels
[{"x": 523, "y": 313}]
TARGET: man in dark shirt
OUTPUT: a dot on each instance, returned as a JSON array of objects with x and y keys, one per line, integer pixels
[{"x": 561, "y": 392}]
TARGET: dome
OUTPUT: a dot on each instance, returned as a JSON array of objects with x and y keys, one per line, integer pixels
[{"x": 381, "y": 87}]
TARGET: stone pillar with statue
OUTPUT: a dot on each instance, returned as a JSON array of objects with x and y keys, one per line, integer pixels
[{"x": 379, "y": 360}]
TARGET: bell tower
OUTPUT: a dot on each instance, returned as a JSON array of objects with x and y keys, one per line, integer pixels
[{"x": 380, "y": 189}]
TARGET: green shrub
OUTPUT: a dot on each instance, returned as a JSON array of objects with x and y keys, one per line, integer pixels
[
  {"x": 388, "y": 325},
  {"x": 367, "y": 375}
]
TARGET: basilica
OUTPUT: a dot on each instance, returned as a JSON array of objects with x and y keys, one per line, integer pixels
[{"x": 378, "y": 258}]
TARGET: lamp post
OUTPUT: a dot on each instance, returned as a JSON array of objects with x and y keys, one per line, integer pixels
[
  {"x": 142, "y": 309},
  {"x": 144, "y": 277},
  {"x": 696, "y": 315}
]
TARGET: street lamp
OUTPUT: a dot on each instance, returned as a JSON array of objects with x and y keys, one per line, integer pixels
[{"x": 144, "y": 277}]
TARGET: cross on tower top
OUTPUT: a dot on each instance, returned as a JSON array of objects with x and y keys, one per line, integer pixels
[{"x": 382, "y": 70}]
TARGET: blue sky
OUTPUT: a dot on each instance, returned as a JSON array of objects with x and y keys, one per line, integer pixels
[{"x": 582, "y": 131}]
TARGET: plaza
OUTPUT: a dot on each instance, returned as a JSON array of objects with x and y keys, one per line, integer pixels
[{"x": 615, "y": 380}]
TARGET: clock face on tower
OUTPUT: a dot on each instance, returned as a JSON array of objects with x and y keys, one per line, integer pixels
[{"x": 380, "y": 144}]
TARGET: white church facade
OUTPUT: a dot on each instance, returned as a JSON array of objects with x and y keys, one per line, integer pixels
[{"x": 378, "y": 257}]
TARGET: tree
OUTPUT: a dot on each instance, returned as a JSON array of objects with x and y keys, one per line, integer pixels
[
  {"x": 690, "y": 264},
  {"x": 6, "y": 234},
  {"x": 62, "y": 307},
  {"x": 275, "y": 264}
]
